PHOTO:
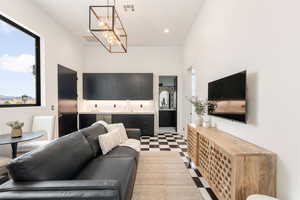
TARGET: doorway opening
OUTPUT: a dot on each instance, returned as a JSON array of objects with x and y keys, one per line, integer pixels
[
  {"x": 193, "y": 93},
  {"x": 167, "y": 104}
]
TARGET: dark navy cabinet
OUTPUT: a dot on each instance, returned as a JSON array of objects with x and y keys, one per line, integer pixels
[
  {"x": 86, "y": 120},
  {"x": 118, "y": 86},
  {"x": 145, "y": 122},
  {"x": 167, "y": 118}
]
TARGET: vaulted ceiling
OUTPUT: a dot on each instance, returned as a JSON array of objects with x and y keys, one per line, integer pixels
[{"x": 145, "y": 26}]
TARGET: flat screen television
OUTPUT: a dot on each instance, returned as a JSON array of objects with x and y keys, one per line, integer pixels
[{"x": 227, "y": 97}]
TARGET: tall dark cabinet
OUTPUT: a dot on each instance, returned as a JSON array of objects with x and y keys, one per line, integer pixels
[
  {"x": 118, "y": 86},
  {"x": 67, "y": 100}
]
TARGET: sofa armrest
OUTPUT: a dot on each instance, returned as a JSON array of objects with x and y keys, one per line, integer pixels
[
  {"x": 55, "y": 190},
  {"x": 134, "y": 133}
]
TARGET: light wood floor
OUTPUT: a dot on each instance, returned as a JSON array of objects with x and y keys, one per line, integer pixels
[{"x": 163, "y": 176}]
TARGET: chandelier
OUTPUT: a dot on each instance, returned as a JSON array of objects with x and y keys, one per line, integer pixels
[{"x": 107, "y": 28}]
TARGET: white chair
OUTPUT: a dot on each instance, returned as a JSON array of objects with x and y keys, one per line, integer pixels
[
  {"x": 260, "y": 197},
  {"x": 39, "y": 123},
  {"x": 3, "y": 162}
]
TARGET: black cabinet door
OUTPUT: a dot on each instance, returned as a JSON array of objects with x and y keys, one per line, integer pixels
[
  {"x": 97, "y": 86},
  {"x": 145, "y": 90},
  {"x": 67, "y": 123},
  {"x": 143, "y": 122},
  {"x": 167, "y": 118},
  {"x": 118, "y": 86},
  {"x": 86, "y": 120},
  {"x": 147, "y": 125}
]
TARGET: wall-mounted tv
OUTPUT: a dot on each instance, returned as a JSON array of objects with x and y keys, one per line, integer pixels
[{"x": 227, "y": 97}]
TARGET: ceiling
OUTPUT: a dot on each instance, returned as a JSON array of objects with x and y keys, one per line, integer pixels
[{"x": 145, "y": 26}]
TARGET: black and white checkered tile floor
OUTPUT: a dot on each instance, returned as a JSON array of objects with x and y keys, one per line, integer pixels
[{"x": 176, "y": 142}]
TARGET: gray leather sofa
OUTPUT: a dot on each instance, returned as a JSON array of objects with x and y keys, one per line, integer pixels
[{"x": 73, "y": 168}]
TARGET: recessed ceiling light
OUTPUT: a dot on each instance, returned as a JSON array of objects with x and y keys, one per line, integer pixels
[{"x": 166, "y": 30}]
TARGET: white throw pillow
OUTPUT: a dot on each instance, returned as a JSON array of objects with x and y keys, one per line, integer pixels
[
  {"x": 109, "y": 140},
  {"x": 122, "y": 131},
  {"x": 101, "y": 122}
]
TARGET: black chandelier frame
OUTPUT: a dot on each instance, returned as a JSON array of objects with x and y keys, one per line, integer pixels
[{"x": 115, "y": 16}]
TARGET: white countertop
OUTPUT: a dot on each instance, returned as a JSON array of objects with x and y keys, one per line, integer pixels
[
  {"x": 167, "y": 109},
  {"x": 119, "y": 112}
]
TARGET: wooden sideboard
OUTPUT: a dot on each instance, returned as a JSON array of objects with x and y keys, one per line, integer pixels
[{"x": 233, "y": 167}]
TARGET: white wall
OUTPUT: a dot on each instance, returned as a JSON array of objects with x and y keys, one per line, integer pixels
[
  {"x": 261, "y": 36},
  {"x": 57, "y": 47},
  {"x": 157, "y": 60}
]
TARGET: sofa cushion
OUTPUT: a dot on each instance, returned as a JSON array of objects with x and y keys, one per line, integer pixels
[
  {"x": 104, "y": 123},
  {"x": 120, "y": 169},
  {"x": 132, "y": 143},
  {"x": 92, "y": 133},
  {"x": 123, "y": 152},
  {"x": 59, "y": 160}
]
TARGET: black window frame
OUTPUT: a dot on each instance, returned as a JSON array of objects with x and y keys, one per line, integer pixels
[{"x": 37, "y": 63}]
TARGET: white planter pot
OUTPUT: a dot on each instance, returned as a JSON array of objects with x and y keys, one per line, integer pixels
[
  {"x": 16, "y": 132},
  {"x": 206, "y": 121},
  {"x": 199, "y": 120}
]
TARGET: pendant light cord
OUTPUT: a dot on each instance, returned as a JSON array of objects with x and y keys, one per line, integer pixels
[{"x": 107, "y": 2}]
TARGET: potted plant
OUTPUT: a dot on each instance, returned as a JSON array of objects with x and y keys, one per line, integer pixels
[
  {"x": 16, "y": 130},
  {"x": 201, "y": 107}
]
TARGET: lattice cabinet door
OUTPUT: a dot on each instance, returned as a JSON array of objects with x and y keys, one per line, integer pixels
[
  {"x": 192, "y": 144},
  {"x": 220, "y": 174},
  {"x": 203, "y": 155}
]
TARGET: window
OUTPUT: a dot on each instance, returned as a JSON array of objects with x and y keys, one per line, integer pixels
[{"x": 19, "y": 65}]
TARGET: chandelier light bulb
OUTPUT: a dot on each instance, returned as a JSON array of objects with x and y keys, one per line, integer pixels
[
  {"x": 101, "y": 23},
  {"x": 111, "y": 42},
  {"x": 117, "y": 32}
]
